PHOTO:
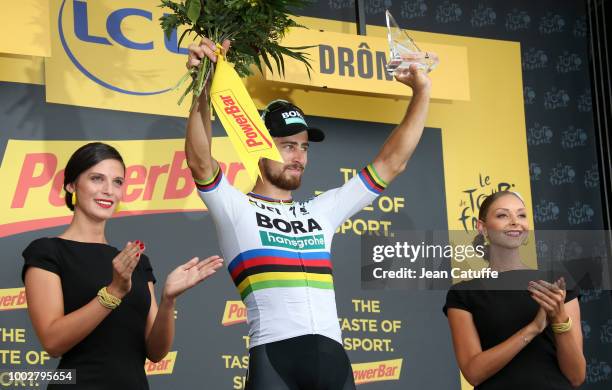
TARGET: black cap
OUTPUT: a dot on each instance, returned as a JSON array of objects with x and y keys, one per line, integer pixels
[{"x": 284, "y": 119}]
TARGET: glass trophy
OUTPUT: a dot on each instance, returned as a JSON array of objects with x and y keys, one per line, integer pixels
[{"x": 404, "y": 52}]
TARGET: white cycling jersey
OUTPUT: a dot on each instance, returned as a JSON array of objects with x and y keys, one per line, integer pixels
[{"x": 278, "y": 253}]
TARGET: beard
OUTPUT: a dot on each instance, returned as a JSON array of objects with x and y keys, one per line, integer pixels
[{"x": 280, "y": 179}]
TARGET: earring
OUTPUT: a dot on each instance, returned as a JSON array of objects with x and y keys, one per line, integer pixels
[
  {"x": 73, "y": 198},
  {"x": 486, "y": 240}
]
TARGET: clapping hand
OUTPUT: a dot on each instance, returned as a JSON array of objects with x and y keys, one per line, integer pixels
[
  {"x": 123, "y": 266},
  {"x": 551, "y": 298},
  {"x": 189, "y": 274}
]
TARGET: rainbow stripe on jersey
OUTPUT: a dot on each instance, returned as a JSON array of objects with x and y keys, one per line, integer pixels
[
  {"x": 372, "y": 181},
  {"x": 211, "y": 183},
  {"x": 268, "y": 268}
]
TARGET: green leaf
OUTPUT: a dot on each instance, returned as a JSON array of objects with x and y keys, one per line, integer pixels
[
  {"x": 186, "y": 92},
  {"x": 255, "y": 29},
  {"x": 178, "y": 46},
  {"x": 168, "y": 23},
  {"x": 266, "y": 60},
  {"x": 193, "y": 10},
  {"x": 274, "y": 55},
  {"x": 258, "y": 63},
  {"x": 282, "y": 64},
  {"x": 298, "y": 47}
]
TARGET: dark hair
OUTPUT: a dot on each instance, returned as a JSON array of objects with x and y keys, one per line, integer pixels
[
  {"x": 482, "y": 215},
  {"x": 84, "y": 158}
]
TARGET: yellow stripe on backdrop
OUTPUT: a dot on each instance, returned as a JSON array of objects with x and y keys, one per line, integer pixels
[
  {"x": 357, "y": 63},
  {"x": 22, "y": 69},
  {"x": 25, "y": 28}
]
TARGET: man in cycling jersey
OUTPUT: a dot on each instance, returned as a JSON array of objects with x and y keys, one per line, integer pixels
[{"x": 278, "y": 250}]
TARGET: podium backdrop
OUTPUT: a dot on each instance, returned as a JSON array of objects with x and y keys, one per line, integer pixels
[{"x": 515, "y": 110}]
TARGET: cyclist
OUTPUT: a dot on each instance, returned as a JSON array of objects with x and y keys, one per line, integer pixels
[{"x": 278, "y": 250}]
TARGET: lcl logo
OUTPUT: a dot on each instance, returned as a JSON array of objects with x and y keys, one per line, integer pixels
[{"x": 113, "y": 22}]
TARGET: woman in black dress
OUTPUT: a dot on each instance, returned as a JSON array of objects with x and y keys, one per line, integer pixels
[
  {"x": 517, "y": 331},
  {"x": 92, "y": 304}
]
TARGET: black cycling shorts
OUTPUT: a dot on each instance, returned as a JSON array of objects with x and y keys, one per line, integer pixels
[{"x": 310, "y": 362}]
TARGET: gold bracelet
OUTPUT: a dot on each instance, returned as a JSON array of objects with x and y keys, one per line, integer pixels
[
  {"x": 108, "y": 300},
  {"x": 562, "y": 327}
]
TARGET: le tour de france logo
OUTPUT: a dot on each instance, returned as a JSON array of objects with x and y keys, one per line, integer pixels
[
  {"x": 120, "y": 45},
  {"x": 474, "y": 195}
]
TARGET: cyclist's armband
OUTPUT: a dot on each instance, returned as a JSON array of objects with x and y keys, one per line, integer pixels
[
  {"x": 371, "y": 180},
  {"x": 211, "y": 183}
]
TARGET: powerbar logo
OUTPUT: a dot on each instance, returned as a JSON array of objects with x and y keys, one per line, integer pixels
[
  {"x": 242, "y": 124},
  {"x": 163, "y": 367},
  {"x": 387, "y": 370},
  {"x": 157, "y": 180},
  {"x": 12, "y": 299},
  {"x": 304, "y": 242},
  {"x": 234, "y": 313}
]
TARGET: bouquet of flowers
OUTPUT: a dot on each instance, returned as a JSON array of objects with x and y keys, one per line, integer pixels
[{"x": 255, "y": 28}]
